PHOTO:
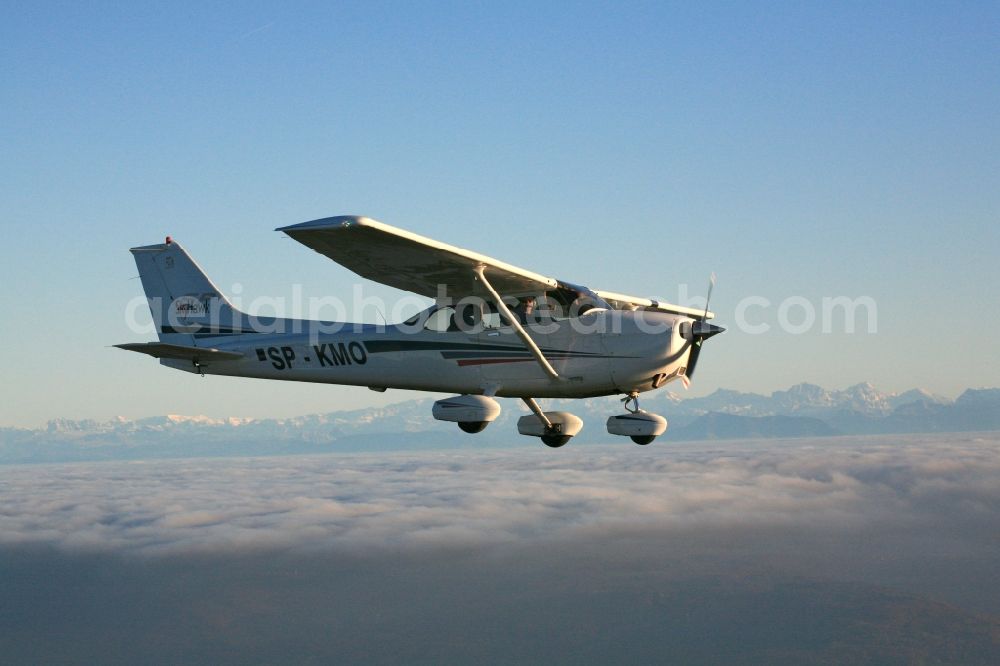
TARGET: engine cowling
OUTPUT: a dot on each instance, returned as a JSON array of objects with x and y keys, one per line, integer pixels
[{"x": 472, "y": 413}]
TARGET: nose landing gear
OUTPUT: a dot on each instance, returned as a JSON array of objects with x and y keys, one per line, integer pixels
[{"x": 639, "y": 425}]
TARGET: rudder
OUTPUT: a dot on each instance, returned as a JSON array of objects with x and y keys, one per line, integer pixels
[{"x": 185, "y": 304}]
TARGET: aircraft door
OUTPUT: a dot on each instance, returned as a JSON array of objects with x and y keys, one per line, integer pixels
[
  {"x": 449, "y": 336},
  {"x": 572, "y": 352}
]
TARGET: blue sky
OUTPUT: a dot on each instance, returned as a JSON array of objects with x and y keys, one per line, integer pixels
[{"x": 795, "y": 149}]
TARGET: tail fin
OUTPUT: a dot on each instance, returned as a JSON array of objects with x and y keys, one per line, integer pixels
[{"x": 184, "y": 303}]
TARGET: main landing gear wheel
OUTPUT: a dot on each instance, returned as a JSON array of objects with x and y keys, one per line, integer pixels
[
  {"x": 555, "y": 441},
  {"x": 642, "y": 440},
  {"x": 553, "y": 428}
]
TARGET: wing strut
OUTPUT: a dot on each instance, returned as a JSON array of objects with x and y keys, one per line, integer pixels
[{"x": 513, "y": 321}]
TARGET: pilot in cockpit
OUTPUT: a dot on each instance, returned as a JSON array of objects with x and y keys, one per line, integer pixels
[{"x": 524, "y": 309}]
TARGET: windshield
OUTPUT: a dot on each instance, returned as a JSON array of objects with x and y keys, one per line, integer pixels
[{"x": 575, "y": 300}]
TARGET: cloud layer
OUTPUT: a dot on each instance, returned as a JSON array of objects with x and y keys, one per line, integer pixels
[
  {"x": 861, "y": 550},
  {"x": 470, "y": 497}
]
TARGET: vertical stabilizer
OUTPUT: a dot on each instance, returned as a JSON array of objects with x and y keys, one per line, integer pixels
[{"x": 184, "y": 303}]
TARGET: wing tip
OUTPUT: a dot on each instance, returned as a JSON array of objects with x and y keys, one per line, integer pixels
[{"x": 329, "y": 223}]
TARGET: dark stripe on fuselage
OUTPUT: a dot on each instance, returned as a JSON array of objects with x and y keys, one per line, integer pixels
[
  {"x": 492, "y": 361},
  {"x": 383, "y": 346},
  {"x": 515, "y": 353},
  {"x": 486, "y": 352}
]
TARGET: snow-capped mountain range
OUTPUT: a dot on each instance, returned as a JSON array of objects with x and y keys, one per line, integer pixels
[
  {"x": 802, "y": 410},
  {"x": 806, "y": 400}
]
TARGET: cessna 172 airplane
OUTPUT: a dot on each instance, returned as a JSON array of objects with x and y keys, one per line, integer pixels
[{"x": 494, "y": 330}]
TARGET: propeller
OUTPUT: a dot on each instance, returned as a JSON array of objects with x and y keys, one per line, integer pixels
[
  {"x": 701, "y": 330},
  {"x": 708, "y": 297}
]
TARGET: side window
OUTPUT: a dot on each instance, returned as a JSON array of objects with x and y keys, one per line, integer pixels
[
  {"x": 440, "y": 319},
  {"x": 493, "y": 320},
  {"x": 468, "y": 318},
  {"x": 528, "y": 310}
]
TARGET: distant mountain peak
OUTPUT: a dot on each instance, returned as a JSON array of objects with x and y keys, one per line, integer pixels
[
  {"x": 802, "y": 410},
  {"x": 864, "y": 388},
  {"x": 916, "y": 395},
  {"x": 980, "y": 396}
]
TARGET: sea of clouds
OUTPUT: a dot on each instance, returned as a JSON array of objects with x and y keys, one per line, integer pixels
[
  {"x": 474, "y": 497},
  {"x": 860, "y": 550}
]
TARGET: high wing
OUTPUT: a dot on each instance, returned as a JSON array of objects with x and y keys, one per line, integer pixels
[
  {"x": 623, "y": 302},
  {"x": 418, "y": 264},
  {"x": 410, "y": 262}
]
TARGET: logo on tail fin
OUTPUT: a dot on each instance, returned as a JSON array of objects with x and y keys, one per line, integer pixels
[{"x": 191, "y": 305}]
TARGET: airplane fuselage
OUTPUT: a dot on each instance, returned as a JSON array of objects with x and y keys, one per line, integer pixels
[{"x": 599, "y": 353}]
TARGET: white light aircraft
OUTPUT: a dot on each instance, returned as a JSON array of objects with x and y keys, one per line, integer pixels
[{"x": 494, "y": 330}]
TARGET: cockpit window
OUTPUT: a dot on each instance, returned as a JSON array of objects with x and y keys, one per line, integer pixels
[
  {"x": 473, "y": 315},
  {"x": 440, "y": 319},
  {"x": 493, "y": 320},
  {"x": 466, "y": 317}
]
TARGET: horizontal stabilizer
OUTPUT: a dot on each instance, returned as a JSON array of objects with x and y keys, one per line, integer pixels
[{"x": 200, "y": 355}]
